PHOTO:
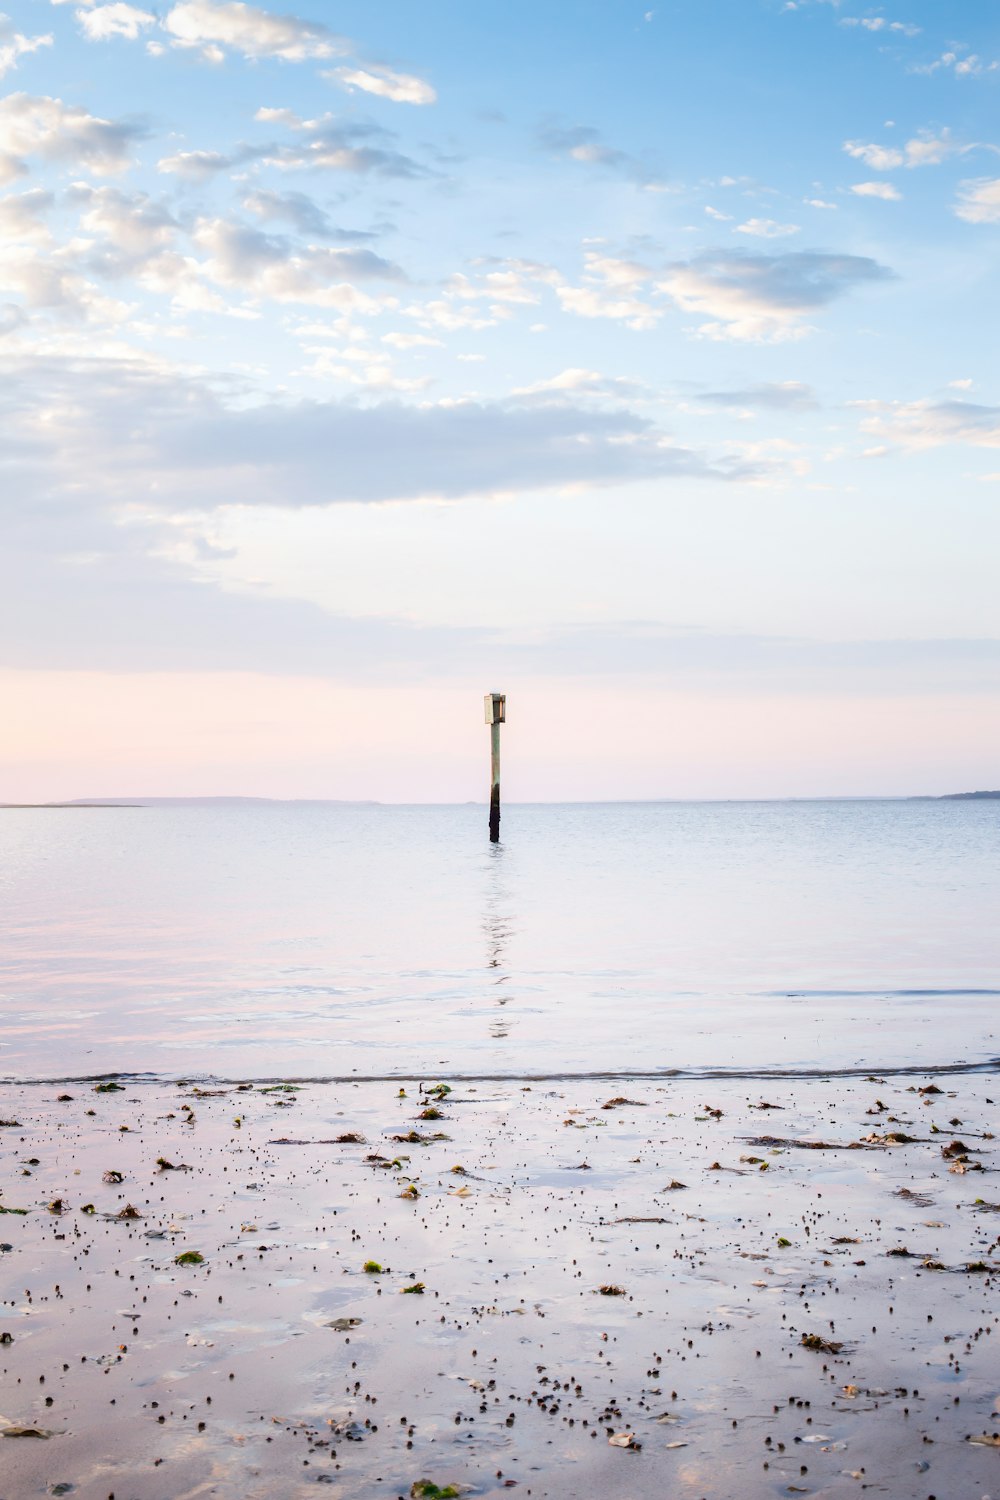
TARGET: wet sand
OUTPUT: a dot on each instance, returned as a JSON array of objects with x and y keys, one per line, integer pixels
[{"x": 795, "y": 1319}]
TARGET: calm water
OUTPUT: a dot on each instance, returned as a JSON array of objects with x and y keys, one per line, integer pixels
[{"x": 316, "y": 940}]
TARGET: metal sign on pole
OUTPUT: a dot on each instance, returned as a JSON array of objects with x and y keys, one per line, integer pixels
[{"x": 496, "y": 714}]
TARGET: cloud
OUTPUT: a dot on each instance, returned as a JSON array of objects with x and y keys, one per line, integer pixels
[
  {"x": 579, "y": 382},
  {"x": 22, "y": 218},
  {"x": 884, "y": 190},
  {"x": 979, "y": 200},
  {"x": 216, "y": 26},
  {"x": 918, "y": 425},
  {"x": 101, "y": 22},
  {"x": 132, "y": 222},
  {"x": 764, "y": 298},
  {"x": 331, "y": 144},
  {"x": 57, "y": 132},
  {"x": 324, "y": 144},
  {"x": 270, "y": 267},
  {"x": 879, "y": 23},
  {"x": 880, "y": 158},
  {"x": 923, "y": 150},
  {"x": 767, "y": 229},
  {"x": 14, "y": 45},
  {"x": 303, "y": 213},
  {"x": 200, "y": 166},
  {"x": 131, "y": 434},
  {"x": 611, "y": 288},
  {"x": 960, "y": 61},
  {"x": 786, "y": 395},
  {"x": 402, "y": 88},
  {"x": 584, "y": 143}
]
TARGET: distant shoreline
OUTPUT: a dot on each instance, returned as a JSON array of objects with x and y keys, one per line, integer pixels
[{"x": 79, "y": 804}]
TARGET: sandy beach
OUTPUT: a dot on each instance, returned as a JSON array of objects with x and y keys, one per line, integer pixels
[{"x": 702, "y": 1288}]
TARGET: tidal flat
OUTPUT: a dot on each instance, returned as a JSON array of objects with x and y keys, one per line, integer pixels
[{"x": 576, "y": 1288}]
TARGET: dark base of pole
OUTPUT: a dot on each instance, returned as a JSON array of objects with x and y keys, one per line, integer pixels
[{"x": 495, "y": 815}]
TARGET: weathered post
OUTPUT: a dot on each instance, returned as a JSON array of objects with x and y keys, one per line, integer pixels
[{"x": 496, "y": 714}]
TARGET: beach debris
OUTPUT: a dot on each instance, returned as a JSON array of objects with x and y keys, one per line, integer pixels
[
  {"x": 919, "y": 1200},
  {"x": 344, "y": 1325},
  {"x": 6, "y": 1338},
  {"x": 416, "y": 1287},
  {"x": 10, "y": 1124},
  {"x": 171, "y": 1166},
  {"x": 426, "y": 1489},
  {"x": 372, "y": 1268},
  {"x": 57, "y": 1206},
  {"x": 619, "y": 1102},
  {"x": 786, "y": 1142},
  {"x": 189, "y": 1258},
  {"x": 673, "y": 1186},
  {"x": 783, "y": 1242},
  {"x": 411, "y": 1191},
  {"x": 414, "y": 1138},
  {"x": 610, "y": 1290},
  {"x": 4, "y": 1209},
  {"x": 128, "y": 1212},
  {"x": 633, "y": 1219},
  {"x": 436, "y": 1091},
  {"x": 113, "y": 1177},
  {"x": 431, "y": 1113},
  {"x": 109, "y": 1088},
  {"x": 764, "y": 1104},
  {"x": 624, "y": 1440},
  {"x": 985, "y": 1439},
  {"x": 819, "y": 1344}
]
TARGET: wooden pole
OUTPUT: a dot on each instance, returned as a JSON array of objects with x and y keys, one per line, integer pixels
[{"x": 496, "y": 713}]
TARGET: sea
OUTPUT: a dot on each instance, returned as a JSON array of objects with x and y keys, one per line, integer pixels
[{"x": 311, "y": 940}]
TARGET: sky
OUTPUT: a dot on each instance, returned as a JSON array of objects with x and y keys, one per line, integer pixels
[{"x": 636, "y": 360}]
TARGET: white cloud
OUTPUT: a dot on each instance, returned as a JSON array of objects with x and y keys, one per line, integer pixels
[
  {"x": 884, "y": 190},
  {"x": 583, "y": 143},
  {"x": 961, "y": 62},
  {"x": 767, "y": 229},
  {"x": 818, "y": 203},
  {"x": 979, "y": 200},
  {"x": 402, "y": 88},
  {"x": 22, "y": 217},
  {"x": 923, "y": 150},
  {"x": 268, "y": 267},
  {"x": 879, "y": 23},
  {"x": 764, "y": 298},
  {"x": 784, "y": 395},
  {"x": 880, "y": 158},
  {"x": 714, "y": 213},
  {"x": 918, "y": 425},
  {"x": 611, "y": 288},
  {"x": 327, "y": 143},
  {"x": 48, "y": 128},
  {"x": 213, "y": 26},
  {"x": 197, "y": 166},
  {"x": 14, "y": 44},
  {"x": 131, "y": 222},
  {"x": 579, "y": 382},
  {"x": 411, "y": 341},
  {"x": 117, "y": 19}
]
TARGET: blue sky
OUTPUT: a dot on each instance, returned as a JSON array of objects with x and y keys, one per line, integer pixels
[{"x": 638, "y": 360}]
